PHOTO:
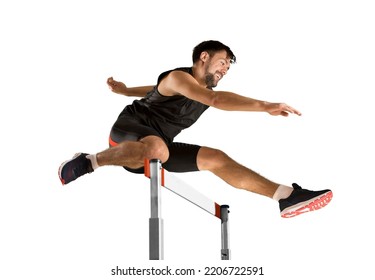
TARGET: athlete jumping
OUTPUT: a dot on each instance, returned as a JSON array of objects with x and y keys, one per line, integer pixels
[{"x": 146, "y": 129}]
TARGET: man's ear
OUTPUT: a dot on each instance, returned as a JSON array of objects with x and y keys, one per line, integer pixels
[{"x": 204, "y": 56}]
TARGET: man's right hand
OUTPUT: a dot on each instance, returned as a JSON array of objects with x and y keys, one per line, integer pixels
[{"x": 117, "y": 87}]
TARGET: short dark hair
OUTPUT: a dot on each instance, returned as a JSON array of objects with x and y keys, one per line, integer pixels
[{"x": 212, "y": 47}]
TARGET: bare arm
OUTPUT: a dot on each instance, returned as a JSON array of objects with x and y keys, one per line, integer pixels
[
  {"x": 230, "y": 101},
  {"x": 186, "y": 85},
  {"x": 121, "y": 88}
]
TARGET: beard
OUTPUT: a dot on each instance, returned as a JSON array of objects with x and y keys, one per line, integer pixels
[
  {"x": 209, "y": 77},
  {"x": 210, "y": 80}
]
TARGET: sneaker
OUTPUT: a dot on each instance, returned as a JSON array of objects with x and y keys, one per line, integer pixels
[
  {"x": 76, "y": 167},
  {"x": 302, "y": 201}
]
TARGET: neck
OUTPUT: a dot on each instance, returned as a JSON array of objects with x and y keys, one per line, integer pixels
[{"x": 199, "y": 75}]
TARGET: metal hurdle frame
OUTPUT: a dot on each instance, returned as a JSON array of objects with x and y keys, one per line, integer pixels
[
  {"x": 156, "y": 227},
  {"x": 155, "y": 171}
]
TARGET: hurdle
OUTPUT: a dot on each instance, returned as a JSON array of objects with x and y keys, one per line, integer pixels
[{"x": 159, "y": 177}]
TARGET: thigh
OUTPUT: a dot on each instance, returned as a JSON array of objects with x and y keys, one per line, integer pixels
[
  {"x": 129, "y": 129},
  {"x": 182, "y": 157}
]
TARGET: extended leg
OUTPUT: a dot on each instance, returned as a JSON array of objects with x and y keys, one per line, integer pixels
[
  {"x": 234, "y": 173},
  {"x": 292, "y": 201}
]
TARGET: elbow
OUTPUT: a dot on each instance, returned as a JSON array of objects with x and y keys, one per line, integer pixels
[{"x": 216, "y": 101}]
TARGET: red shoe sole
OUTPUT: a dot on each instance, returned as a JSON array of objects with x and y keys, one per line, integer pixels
[{"x": 307, "y": 206}]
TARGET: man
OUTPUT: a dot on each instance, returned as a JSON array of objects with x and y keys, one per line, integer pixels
[{"x": 146, "y": 129}]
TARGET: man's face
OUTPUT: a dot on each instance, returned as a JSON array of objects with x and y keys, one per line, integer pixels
[{"x": 216, "y": 67}]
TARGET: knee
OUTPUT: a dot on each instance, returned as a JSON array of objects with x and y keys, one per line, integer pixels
[
  {"x": 211, "y": 159},
  {"x": 156, "y": 149}
]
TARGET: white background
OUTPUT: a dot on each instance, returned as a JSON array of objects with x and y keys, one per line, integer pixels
[{"x": 317, "y": 56}]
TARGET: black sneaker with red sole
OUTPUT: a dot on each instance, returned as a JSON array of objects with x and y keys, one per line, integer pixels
[
  {"x": 73, "y": 168},
  {"x": 301, "y": 201}
]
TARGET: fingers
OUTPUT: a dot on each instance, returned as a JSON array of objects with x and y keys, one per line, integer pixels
[
  {"x": 294, "y": 111},
  {"x": 284, "y": 114},
  {"x": 290, "y": 109},
  {"x": 111, "y": 83},
  {"x": 284, "y": 110}
]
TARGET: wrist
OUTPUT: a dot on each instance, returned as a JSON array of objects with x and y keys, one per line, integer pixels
[{"x": 264, "y": 106}]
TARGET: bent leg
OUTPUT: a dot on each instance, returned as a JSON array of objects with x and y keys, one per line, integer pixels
[
  {"x": 131, "y": 142},
  {"x": 132, "y": 153},
  {"x": 234, "y": 173}
]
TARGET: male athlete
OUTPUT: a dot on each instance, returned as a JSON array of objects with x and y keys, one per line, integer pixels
[{"x": 146, "y": 129}]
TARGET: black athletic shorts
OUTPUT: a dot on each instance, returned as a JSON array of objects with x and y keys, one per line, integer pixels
[{"x": 182, "y": 157}]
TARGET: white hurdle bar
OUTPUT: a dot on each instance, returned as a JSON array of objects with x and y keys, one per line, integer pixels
[{"x": 160, "y": 177}]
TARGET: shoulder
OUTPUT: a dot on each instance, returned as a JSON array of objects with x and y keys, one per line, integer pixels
[
  {"x": 176, "y": 82},
  {"x": 179, "y": 82},
  {"x": 187, "y": 70}
]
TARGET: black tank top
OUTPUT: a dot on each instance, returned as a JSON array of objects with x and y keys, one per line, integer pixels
[{"x": 168, "y": 115}]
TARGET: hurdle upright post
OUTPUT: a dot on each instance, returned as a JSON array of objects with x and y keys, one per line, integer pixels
[
  {"x": 156, "y": 242},
  {"x": 225, "y": 251}
]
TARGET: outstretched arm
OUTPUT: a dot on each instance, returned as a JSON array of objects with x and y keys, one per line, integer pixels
[
  {"x": 230, "y": 101},
  {"x": 121, "y": 88},
  {"x": 183, "y": 83}
]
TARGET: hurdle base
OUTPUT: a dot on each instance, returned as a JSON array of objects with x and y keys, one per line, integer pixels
[
  {"x": 156, "y": 239},
  {"x": 224, "y": 215},
  {"x": 225, "y": 254}
]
